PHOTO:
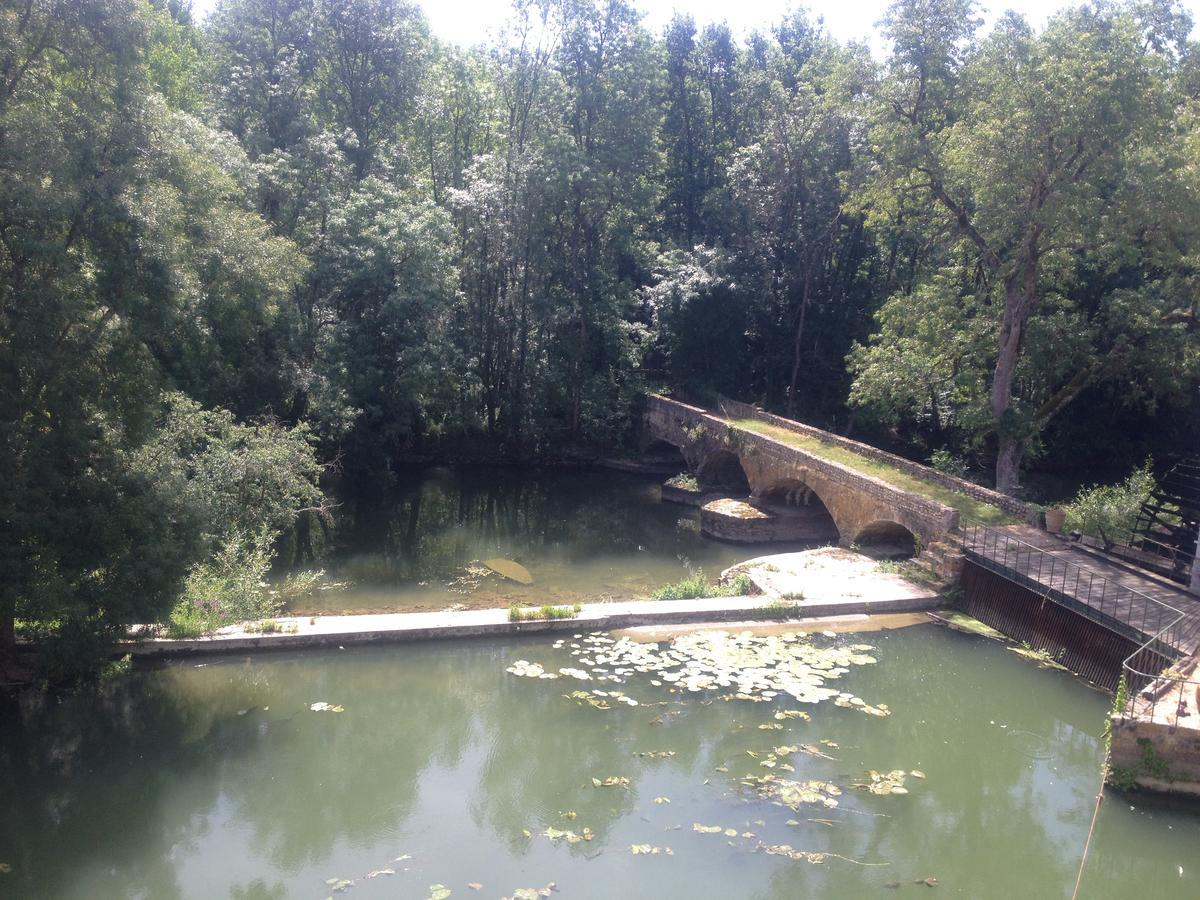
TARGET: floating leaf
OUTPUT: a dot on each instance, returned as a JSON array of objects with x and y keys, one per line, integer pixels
[
  {"x": 649, "y": 850},
  {"x": 556, "y": 834},
  {"x": 707, "y": 829},
  {"x": 532, "y": 893},
  {"x": 376, "y": 873},
  {"x": 611, "y": 781},
  {"x": 661, "y": 800},
  {"x": 438, "y": 892},
  {"x": 655, "y": 754},
  {"x": 917, "y": 773},
  {"x": 339, "y": 885},
  {"x": 509, "y": 569},
  {"x": 801, "y": 855},
  {"x": 583, "y": 697},
  {"x": 322, "y": 706},
  {"x": 5, "y": 868},
  {"x": 475, "y": 885},
  {"x": 884, "y": 783}
]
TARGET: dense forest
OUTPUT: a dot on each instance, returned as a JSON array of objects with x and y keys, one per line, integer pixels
[{"x": 304, "y": 237}]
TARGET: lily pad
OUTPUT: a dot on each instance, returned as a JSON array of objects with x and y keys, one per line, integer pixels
[{"x": 884, "y": 783}]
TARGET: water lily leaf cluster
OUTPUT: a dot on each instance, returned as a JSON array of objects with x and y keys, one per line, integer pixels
[
  {"x": 795, "y": 794},
  {"x": 559, "y": 834},
  {"x": 748, "y": 666},
  {"x": 532, "y": 893},
  {"x": 884, "y": 783}
]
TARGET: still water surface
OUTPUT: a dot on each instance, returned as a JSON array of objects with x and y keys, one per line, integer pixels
[
  {"x": 584, "y": 535},
  {"x": 217, "y": 780}
]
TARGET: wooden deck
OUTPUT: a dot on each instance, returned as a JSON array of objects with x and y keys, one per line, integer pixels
[{"x": 1132, "y": 603}]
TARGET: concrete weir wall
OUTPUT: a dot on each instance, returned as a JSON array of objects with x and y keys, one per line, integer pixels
[{"x": 859, "y": 504}]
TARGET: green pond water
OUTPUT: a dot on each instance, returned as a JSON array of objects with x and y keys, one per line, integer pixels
[
  {"x": 219, "y": 780},
  {"x": 584, "y": 535}
]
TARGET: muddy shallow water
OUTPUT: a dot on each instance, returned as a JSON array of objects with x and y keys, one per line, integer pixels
[{"x": 584, "y": 536}]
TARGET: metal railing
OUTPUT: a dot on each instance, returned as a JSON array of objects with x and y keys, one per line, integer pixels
[
  {"x": 1117, "y": 607},
  {"x": 1159, "y": 690}
]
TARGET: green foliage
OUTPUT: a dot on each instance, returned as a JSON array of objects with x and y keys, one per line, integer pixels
[
  {"x": 685, "y": 481},
  {"x": 243, "y": 479},
  {"x": 697, "y": 585},
  {"x": 1002, "y": 152},
  {"x": 945, "y": 461},
  {"x": 229, "y": 587},
  {"x": 74, "y": 649},
  {"x": 233, "y": 587},
  {"x": 1109, "y": 512}
]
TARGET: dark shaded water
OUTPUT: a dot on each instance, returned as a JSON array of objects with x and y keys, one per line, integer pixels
[
  {"x": 219, "y": 781},
  {"x": 584, "y": 535}
]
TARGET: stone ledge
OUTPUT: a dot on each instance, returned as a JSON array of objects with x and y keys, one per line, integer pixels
[{"x": 344, "y": 631}]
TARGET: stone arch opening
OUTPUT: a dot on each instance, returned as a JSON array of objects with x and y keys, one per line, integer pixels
[
  {"x": 792, "y": 494},
  {"x": 887, "y": 540},
  {"x": 664, "y": 454},
  {"x": 795, "y": 503},
  {"x": 723, "y": 470}
]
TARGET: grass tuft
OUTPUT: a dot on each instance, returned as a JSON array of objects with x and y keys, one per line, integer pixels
[
  {"x": 696, "y": 585},
  {"x": 541, "y": 613}
]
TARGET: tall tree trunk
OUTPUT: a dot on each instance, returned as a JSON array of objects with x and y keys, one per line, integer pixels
[
  {"x": 791, "y": 404},
  {"x": 1019, "y": 295},
  {"x": 1008, "y": 464}
]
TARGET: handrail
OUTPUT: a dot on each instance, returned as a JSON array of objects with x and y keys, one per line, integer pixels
[
  {"x": 1148, "y": 670},
  {"x": 1115, "y": 606}
]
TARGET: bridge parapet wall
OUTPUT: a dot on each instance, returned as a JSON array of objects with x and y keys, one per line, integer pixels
[{"x": 1024, "y": 511}]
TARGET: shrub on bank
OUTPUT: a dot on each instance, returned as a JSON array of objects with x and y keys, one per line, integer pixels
[
  {"x": 696, "y": 585},
  {"x": 1109, "y": 511}
]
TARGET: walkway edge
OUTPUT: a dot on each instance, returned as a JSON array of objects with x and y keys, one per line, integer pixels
[{"x": 412, "y": 627}]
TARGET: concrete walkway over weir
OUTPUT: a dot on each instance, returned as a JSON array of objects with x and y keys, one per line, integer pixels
[{"x": 343, "y": 631}]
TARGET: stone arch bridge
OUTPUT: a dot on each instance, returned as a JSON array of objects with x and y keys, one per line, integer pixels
[{"x": 863, "y": 508}]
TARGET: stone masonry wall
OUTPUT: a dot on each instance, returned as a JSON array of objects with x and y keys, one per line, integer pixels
[
  {"x": 1012, "y": 506},
  {"x": 853, "y": 499},
  {"x": 1158, "y": 756}
]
